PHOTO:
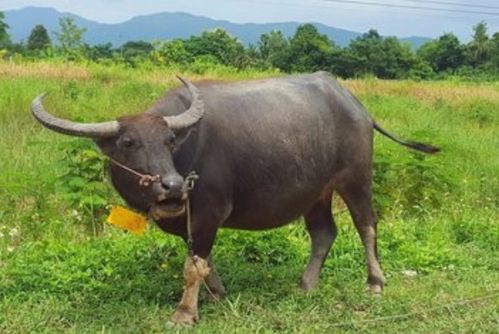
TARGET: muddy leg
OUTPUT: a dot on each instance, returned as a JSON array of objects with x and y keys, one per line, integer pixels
[
  {"x": 195, "y": 270},
  {"x": 322, "y": 229},
  {"x": 357, "y": 196},
  {"x": 204, "y": 225}
]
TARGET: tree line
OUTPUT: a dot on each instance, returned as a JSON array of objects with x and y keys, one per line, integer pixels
[{"x": 307, "y": 50}]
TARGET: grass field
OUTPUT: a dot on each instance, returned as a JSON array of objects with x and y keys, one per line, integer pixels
[{"x": 63, "y": 271}]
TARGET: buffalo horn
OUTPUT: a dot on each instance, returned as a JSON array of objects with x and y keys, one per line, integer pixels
[
  {"x": 191, "y": 115},
  {"x": 94, "y": 130}
]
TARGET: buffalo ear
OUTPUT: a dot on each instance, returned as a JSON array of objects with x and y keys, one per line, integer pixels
[
  {"x": 181, "y": 135},
  {"x": 105, "y": 144}
]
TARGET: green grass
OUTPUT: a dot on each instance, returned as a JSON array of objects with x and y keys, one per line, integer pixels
[{"x": 438, "y": 217}]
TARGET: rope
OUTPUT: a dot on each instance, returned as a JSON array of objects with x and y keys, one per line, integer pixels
[
  {"x": 189, "y": 230},
  {"x": 187, "y": 188},
  {"x": 145, "y": 180},
  {"x": 494, "y": 293},
  {"x": 463, "y": 302}
]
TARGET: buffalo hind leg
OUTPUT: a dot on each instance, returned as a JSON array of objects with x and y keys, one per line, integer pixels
[
  {"x": 322, "y": 230},
  {"x": 214, "y": 282},
  {"x": 356, "y": 192}
]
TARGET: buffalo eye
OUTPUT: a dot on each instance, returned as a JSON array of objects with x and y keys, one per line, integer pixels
[
  {"x": 170, "y": 141},
  {"x": 127, "y": 142}
]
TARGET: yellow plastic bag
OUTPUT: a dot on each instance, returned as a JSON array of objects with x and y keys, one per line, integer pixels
[{"x": 127, "y": 220}]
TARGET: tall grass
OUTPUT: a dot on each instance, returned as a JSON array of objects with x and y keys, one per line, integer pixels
[{"x": 438, "y": 217}]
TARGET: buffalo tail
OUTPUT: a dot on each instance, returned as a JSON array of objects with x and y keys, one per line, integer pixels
[{"x": 411, "y": 144}]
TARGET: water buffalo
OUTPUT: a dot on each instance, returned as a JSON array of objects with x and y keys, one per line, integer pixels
[{"x": 266, "y": 152}]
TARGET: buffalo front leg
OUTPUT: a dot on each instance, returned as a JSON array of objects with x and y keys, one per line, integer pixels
[
  {"x": 196, "y": 270},
  {"x": 197, "y": 267}
]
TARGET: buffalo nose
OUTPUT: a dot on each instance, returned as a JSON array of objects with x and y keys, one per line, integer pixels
[{"x": 173, "y": 184}]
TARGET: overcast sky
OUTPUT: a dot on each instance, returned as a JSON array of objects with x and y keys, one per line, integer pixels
[{"x": 401, "y": 22}]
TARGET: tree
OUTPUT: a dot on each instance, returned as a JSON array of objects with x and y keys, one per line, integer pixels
[
  {"x": 220, "y": 45},
  {"x": 136, "y": 49},
  {"x": 273, "y": 49},
  {"x": 17, "y": 48},
  {"x": 253, "y": 57},
  {"x": 173, "y": 52},
  {"x": 479, "y": 47},
  {"x": 399, "y": 59},
  {"x": 70, "y": 36},
  {"x": 346, "y": 64},
  {"x": 309, "y": 50},
  {"x": 494, "y": 51},
  {"x": 5, "y": 41},
  {"x": 99, "y": 51},
  {"x": 445, "y": 53},
  {"x": 38, "y": 39},
  {"x": 421, "y": 70},
  {"x": 383, "y": 57}
]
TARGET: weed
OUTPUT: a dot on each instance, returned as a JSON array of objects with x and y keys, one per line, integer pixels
[
  {"x": 83, "y": 183},
  {"x": 414, "y": 183}
]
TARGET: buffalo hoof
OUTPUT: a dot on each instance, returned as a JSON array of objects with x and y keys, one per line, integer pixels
[
  {"x": 184, "y": 318},
  {"x": 306, "y": 285},
  {"x": 376, "y": 289},
  {"x": 376, "y": 284}
]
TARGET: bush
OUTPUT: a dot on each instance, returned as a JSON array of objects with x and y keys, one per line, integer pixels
[
  {"x": 83, "y": 183},
  {"x": 413, "y": 184},
  {"x": 421, "y": 71}
]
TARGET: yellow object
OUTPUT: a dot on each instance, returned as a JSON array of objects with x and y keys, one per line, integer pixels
[{"x": 127, "y": 220}]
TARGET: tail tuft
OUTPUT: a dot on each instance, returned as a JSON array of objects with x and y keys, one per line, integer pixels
[{"x": 422, "y": 147}]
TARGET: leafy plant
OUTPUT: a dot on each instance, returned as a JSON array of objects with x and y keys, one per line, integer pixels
[
  {"x": 275, "y": 247},
  {"x": 83, "y": 182},
  {"x": 414, "y": 183}
]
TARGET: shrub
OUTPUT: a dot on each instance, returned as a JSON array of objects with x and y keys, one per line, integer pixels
[
  {"x": 412, "y": 183},
  {"x": 83, "y": 182}
]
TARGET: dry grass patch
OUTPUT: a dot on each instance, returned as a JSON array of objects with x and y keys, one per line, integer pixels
[
  {"x": 426, "y": 91},
  {"x": 44, "y": 70}
]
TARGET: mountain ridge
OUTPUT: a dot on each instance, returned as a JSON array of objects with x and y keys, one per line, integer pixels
[{"x": 164, "y": 26}]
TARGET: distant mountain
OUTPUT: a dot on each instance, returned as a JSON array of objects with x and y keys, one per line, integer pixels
[{"x": 163, "y": 26}]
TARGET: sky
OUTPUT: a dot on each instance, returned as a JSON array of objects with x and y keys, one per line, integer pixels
[{"x": 347, "y": 14}]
